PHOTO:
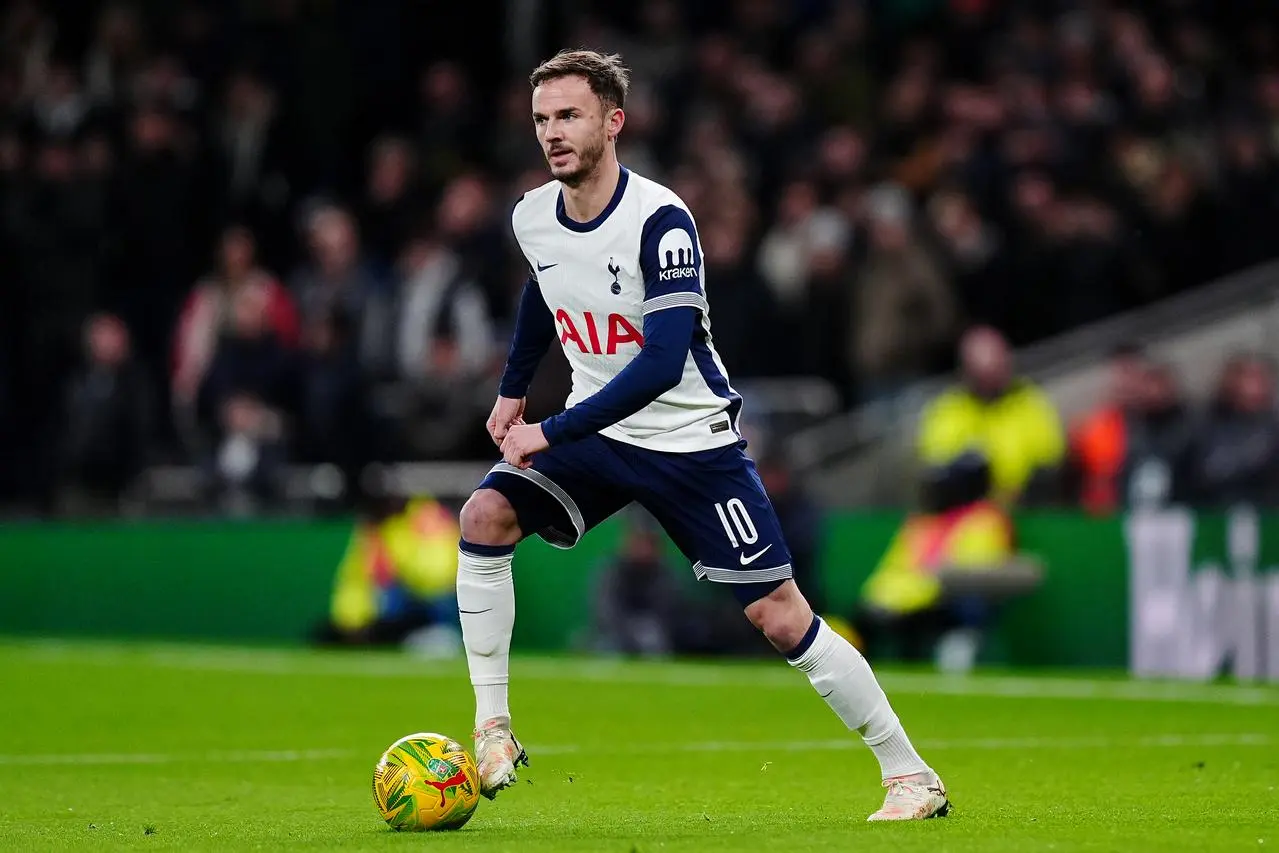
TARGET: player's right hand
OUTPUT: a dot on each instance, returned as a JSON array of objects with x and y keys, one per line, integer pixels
[{"x": 507, "y": 411}]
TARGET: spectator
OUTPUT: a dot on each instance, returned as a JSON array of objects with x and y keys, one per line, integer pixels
[
  {"x": 338, "y": 279},
  {"x": 783, "y": 262},
  {"x": 510, "y": 151},
  {"x": 449, "y": 121},
  {"x": 157, "y": 214},
  {"x": 464, "y": 220},
  {"x": 804, "y": 261},
  {"x": 1032, "y": 210},
  {"x": 247, "y": 393},
  {"x": 445, "y": 333},
  {"x": 206, "y": 316},
  {"x": 1099, "y": 443},
  {"x": 256, "y": 181},
  {"x": 335, "y": 424},
  {"x": 109, "y": 417},
  {"x": 116, "y": 53},
  {"x": 61, "y": 109},
  {"x": 637, "y": 607},
  {"x": 1250, "y": 191},
  {"x": 1176, "y": 217},
  {"x": 748, "y": 311},
  {"x": 1156, "y": 468},
  {"x": 904, "y": 314},
  {"x": 445, "y": 340},
  {"x": 904, "y": 607},
  {"x": 1083, "y": 232},
  {"x": 974, "y": 253},
  {"x": 659, "y": 50},
  {"x": 55, "y": 221},
  {"x": 831, "y": 290},
  {"x": 392, "y": 210},
  {"x": 1007, "y": 420},
  {"x": 395, "y": 584},
  {"x": 1236, "y": 454},
  {"x": 54, "y": 280}
]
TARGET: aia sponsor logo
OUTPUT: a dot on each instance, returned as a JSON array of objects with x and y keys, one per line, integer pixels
[{"x": 597, "y": 335}]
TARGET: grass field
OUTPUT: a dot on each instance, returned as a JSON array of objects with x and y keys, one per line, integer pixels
[{"x": 203, "y": 748}]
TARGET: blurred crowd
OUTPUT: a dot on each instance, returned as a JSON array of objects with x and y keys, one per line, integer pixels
[
  {"x": 994, "y": 442},
  {"x": 1146, "y": 443},
  {"x": 240, "y": 234}
]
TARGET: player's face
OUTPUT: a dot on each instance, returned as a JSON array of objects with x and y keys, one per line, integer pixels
[{"x": 573, "y": 127}]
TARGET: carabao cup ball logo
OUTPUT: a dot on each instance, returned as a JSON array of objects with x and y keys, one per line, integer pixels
[{"x": 675, "y": 255}]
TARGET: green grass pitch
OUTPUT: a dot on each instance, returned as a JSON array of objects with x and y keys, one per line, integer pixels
[{"x": 146, "y": 747}]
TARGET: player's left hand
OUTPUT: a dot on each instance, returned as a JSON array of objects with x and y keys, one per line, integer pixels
[{"x": 521, "y": 442}]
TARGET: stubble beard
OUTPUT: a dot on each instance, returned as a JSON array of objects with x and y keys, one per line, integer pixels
[{"x": 588, "y": 159}]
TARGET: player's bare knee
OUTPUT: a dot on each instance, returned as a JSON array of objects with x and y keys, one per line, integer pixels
[
  {"x": 488, "y": 518},
  {"x": 783, "y": 616}
]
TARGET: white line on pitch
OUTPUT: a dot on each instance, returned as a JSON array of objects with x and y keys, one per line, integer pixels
[
  {"x": 264, "y": 756},
  {"x": 692, "y": 675},
  {"x": 1032, "y": 743},
  {"x": 850, "y": 743}
]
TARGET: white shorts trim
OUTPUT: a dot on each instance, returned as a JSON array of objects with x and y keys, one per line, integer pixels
[
  {"x": 553, "y": 489},
  {"x": 714, "y": 575}
]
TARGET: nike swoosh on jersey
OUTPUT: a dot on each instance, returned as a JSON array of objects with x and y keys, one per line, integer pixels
[
  {"x": 541, "y": 268},
  {"x": 746, "y": 561}
]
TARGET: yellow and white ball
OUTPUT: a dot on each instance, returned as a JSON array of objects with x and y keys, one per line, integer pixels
[{"x": 426, "y": 781}]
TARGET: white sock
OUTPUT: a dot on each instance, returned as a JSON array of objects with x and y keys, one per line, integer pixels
[
  {"x": 486, "y": 605},
  {"x": 841, "y": 676}
]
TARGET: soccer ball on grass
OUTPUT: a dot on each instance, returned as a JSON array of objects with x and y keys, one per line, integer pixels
[{"x": 426, "y": 781}]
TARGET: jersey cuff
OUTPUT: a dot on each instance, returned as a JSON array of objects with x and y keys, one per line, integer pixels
[
  {"x": 550, "y": 431},
  {"x": 674, "y": 300},
  {"x": 513, "y": 390}
]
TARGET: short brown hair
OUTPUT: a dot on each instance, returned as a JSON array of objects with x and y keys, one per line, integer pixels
[{"x": 608, "y": 78}]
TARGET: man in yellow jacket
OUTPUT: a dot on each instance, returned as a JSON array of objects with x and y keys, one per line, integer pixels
[
  {"x": 1008, "y": 420},
  {"x": 398, "y": 573}
]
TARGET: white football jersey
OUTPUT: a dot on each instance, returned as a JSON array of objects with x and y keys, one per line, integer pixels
[{"x": 600, "y": 278}]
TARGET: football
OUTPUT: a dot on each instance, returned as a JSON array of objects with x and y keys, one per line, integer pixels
[{"x": 426, "y": 781}]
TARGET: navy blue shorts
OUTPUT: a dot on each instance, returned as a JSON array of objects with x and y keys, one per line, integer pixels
[{"x": 710, "y": 502}]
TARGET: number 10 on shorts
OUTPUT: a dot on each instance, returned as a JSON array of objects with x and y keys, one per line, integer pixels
[{"x": 737, "y": 522}]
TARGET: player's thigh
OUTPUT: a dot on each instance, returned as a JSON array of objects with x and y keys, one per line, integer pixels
[
  {"x": 714, "y": 507},
  {"x": 567, "y": 491}
]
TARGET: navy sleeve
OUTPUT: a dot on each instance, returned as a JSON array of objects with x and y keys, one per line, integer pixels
[
  {"x": 671, "y": 260},
  {"x": 657, "y": 368},
  {"x": 534, "y": 331}
]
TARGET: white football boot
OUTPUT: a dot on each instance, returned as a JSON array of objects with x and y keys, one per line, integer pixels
[
  {"x": 497, "y": 754},
  {"x": 913, "y": 798}
]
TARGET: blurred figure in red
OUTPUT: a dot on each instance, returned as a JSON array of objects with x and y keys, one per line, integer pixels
[
  {"x": 1099, "y": 442},
  {"x": 207, "y": 313}
]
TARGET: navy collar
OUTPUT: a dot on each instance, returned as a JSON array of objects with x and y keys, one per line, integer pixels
[{"x": 583, "y": 227}]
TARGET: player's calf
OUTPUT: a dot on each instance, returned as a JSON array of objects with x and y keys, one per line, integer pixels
[{"x": 783, "y": 616}]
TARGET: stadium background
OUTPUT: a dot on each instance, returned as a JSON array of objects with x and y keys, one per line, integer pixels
[
  {"x": 256, "y": 284},
  {"x": 257, "y": 267}
]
